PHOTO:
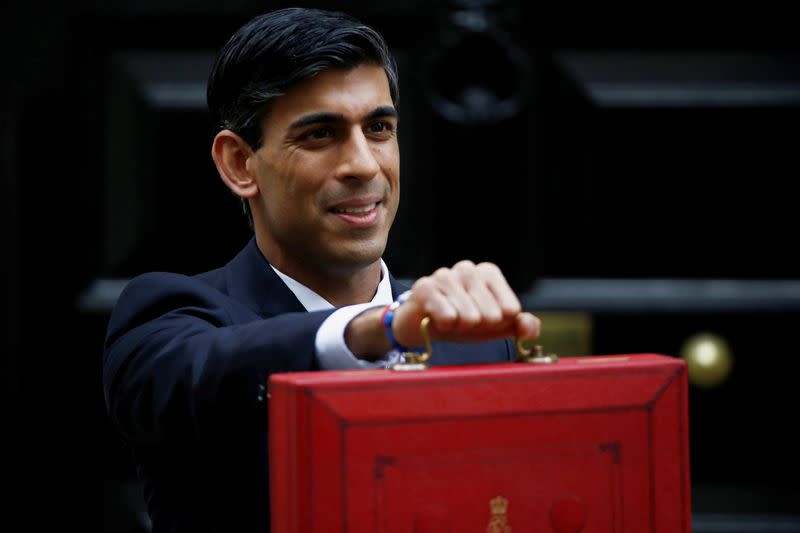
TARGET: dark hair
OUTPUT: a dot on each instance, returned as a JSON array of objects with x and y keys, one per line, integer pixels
[{"x": 275, "y": 51}]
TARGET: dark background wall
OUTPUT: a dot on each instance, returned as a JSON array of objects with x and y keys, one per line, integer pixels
[{"x": 642, "y": 144}]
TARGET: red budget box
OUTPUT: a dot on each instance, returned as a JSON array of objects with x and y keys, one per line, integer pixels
[{"x": 588, "y": 444}]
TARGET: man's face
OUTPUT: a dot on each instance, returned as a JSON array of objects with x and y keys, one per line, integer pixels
[{"x": 328, "y": 172}]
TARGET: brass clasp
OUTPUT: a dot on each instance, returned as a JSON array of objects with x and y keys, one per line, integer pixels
[
  {"x": 417, "y": 360},
  {"x": 538, "y": 357}
]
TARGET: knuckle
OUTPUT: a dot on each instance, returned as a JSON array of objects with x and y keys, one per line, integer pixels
[
  {"x": 421, "y": 286},
  {"x": 463, "y": 265},
  {"x": 441, "y": 273},
  {"x": 446, "y": 277},
  {"x": 489, "y": 268}
]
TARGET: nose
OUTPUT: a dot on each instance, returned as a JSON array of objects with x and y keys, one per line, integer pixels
[{"x": 358, "y": 159}]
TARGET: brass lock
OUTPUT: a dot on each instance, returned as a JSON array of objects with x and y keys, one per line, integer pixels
[{"x": 535, "y": 356}]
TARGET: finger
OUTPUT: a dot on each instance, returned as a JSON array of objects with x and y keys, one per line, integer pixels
[
  {"x": 496, "y": 283},
  {"x": 427, "y": 295},
  {"x": 451, "y": 284},
  {"x": 527, "y": 326},
  {"x": 484, "y": 300}
]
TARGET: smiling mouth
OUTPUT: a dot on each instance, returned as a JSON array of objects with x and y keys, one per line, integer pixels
[{"x": 360, "y": 210}]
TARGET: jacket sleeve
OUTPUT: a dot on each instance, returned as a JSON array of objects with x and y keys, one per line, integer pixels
[{"x": 176, "y": 366}]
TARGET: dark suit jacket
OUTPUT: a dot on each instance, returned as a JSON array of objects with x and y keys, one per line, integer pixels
[{"x": 185, "y": 368}]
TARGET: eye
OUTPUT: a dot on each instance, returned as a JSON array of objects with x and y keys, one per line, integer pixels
[
  {"x": 319, "y": 133},
  {"x": 381, "y": 127}
]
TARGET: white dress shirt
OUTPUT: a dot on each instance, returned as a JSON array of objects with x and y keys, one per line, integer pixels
[{"x": 332, "y": 351}]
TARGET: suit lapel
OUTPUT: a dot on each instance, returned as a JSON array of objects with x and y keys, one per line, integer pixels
[
  {"x": 251, "y": 280},
  {"x": 397, "y": 287}
]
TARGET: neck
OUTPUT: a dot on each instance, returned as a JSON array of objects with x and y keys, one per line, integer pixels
[{"x": 339, "y": 286}]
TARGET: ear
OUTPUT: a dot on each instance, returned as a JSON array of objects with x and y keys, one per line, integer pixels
[{"x": 230, "y": 153}]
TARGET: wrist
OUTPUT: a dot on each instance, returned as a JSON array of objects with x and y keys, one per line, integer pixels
[
  {"x": 387, "y": 318},
  {"x": 365, "y": 335}
]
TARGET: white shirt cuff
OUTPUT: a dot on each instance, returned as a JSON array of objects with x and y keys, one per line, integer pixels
[{"x": 332, "y": 351}]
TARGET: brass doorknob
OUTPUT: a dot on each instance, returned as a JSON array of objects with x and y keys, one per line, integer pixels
[{"x": 708, "y": 358}]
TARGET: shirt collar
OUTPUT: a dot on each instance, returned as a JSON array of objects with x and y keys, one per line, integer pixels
[{"x": 314, "y": 302}]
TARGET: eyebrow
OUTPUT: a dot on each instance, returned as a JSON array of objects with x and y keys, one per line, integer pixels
[{"x": 325, "y": 117}]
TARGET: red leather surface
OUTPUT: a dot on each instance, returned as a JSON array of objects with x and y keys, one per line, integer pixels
[{"x": 593, "y": 444}]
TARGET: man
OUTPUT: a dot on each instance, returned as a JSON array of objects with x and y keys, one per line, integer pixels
[{"x": 306, "y": 101}]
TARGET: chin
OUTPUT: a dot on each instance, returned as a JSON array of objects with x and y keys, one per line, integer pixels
[{"x": 360, "y": 255}]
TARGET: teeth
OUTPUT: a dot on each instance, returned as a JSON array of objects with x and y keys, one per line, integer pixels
[{"x": 356, "y": 210}]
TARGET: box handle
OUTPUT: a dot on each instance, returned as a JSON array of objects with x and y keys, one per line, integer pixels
[{"x": 419, "y": 360}]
